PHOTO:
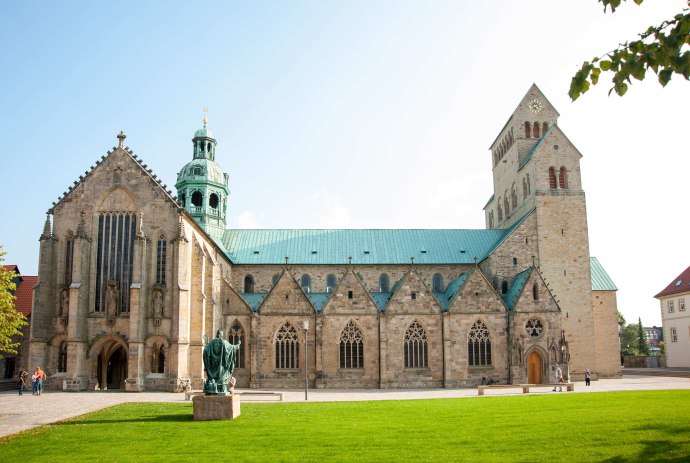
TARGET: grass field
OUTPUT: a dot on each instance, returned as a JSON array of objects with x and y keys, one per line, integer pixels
[{"x": 650, "y": 426}]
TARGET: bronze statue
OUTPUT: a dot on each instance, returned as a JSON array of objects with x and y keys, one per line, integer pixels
[{"x": 220, "y": 358}]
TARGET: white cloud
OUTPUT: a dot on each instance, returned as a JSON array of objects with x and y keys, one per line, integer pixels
[
  {"x": 332, "y": 212},
  {"x": 247, "y": 219}
]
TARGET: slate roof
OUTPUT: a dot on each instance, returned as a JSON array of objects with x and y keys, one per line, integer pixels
[
  {"x": 680, "y": 284},
  {"x": 601, "y": 281},
  {"x": 320, "y": 246}
]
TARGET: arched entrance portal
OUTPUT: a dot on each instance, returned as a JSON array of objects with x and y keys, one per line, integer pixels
[
  {"x": 111, "y": 370},
  {"x": 534, "y": 368}
]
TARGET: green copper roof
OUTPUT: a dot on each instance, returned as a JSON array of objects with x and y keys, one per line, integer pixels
[
  {"x": 319, "y": 300},
  {"x": 204, "y": 132},
  {"x": 600, "y": 279},
  {"x": 518, "y": 284},
  {"x": 254, "y": 300},
  {"x": 201, "y": 170},
  {"x": 381, "y": 299},
  {"x": 444, "y": 298},
  {"x": 364, "y": 246}
]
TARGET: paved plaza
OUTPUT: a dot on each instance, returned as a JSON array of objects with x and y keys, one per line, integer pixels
[{"x": 19, "y": 413}]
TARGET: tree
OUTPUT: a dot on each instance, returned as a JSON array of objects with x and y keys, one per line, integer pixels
[
  {"x": 662, "y": 348},
  {"x": 662, "y": 48},
  {"x": 642, "y": 345},
  {"x": 11, "y": 321},
  {"x": 629, "y": 343}
]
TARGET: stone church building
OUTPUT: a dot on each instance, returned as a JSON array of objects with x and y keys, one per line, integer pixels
[{"x": 132, "y": 279}]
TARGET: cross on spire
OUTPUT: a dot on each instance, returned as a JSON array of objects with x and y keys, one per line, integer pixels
[{"x": 121, "y": 139}]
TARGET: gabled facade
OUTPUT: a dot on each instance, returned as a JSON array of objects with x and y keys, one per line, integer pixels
[
  {"x": 675, "y": 320},
  {"x": 145, "y": 277}
]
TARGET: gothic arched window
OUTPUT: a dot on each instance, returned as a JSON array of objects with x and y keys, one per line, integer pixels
[
  {"x": 62, "y": 358},
  {"x": 500, "y": 211},
  {"x": 552, "y": 178},
  {"x": 506, "y": 205},
  {"x": 563, "y": 178},
  {"x": 331, "y": 282},
  {"x": 384, "y": 283},
  {"x": 305, "y": 283},
  {"x": 248, "y": 284},
  {"x": 351, "y": 347},
  {"x": 69, "y": 256},
  {"x": 161, "y": 257},
  {"x": 114, "y": 260},
  {"x": 287, "y": 347},
  {"x": 513, "y": 198},
  {"x": 437, "y": 283},
  {"x": 479, "y": 345},
  {"x": 236, "y": 336},
  {"x": 416, "y": 347}
]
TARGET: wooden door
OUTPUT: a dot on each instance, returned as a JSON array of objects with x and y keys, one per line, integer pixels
[{"x": 534, "y": 368}]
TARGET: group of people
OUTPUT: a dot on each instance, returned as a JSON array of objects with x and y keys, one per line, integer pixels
[{"x": 37, "y": 379}]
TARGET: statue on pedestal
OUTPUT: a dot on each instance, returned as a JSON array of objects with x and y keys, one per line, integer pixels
[{"x": 220, "y": 358}]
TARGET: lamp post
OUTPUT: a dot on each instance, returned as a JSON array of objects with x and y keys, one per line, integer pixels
[{"x": 305, "y": 327}]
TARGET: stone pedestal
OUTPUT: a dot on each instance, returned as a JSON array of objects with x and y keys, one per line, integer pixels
[{"x": 216, "y": 407}]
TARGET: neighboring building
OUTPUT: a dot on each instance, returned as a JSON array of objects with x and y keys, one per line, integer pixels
[
  {"x": 11, "y": 364},
  {"x": 133, "y": 279},
  {"x": 654, "y": 335},
  {"x": 675, "y": 320}
]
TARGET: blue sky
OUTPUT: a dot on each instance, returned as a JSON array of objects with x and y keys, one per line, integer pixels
[{"x": 344, "y": 114}]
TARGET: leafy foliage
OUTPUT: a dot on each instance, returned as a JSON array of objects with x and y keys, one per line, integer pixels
[
  {"x": 662, "y": 48},
  {"x": 642, "y": 345},
  {"x": 11, "y": 321}
]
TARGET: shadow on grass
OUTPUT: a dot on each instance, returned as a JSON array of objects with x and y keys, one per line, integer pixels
[
  {"x": 661, "y": 450},
  {"x": 176, "y": 418}
]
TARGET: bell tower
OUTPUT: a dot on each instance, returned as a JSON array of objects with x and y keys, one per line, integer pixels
[{"x": 202, "y": 187}]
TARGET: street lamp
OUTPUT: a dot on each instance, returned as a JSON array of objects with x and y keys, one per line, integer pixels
[{"x": 305, "y": 327}]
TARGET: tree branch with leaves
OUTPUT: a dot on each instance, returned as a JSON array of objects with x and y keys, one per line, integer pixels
[
  {"x": 665, "y": 49},
  {"x": 11, "y": 321}
]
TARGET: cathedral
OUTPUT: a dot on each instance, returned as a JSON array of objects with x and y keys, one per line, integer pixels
[{"x": 134, "y": 280}]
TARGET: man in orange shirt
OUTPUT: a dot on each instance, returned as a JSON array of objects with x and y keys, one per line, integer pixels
[{"x": 40, "y": 377}]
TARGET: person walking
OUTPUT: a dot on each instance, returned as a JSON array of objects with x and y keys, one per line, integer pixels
[
  {"x": 588, "y": 377},
  {"x": 558, "y": 376},
  {"x": 22, "y": 382},
  {"x": 34, "y": 384}
]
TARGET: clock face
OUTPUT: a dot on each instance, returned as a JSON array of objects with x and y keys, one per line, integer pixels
[{"x": 535, "y": 106}]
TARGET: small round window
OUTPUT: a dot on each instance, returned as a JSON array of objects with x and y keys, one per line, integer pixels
[{"x": 534, "y": 328}]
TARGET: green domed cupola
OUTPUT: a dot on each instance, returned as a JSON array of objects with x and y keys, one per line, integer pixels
[{"x": 202, "y": 187}]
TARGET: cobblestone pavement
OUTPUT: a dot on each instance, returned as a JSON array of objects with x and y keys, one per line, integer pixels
[{"x": 19, "y": 413}]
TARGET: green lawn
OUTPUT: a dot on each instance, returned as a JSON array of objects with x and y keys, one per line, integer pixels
[{"x": 650, "y": 426}]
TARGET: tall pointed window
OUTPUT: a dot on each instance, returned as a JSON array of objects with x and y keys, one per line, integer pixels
[
  {"x": 351, "y": 347},
  {"x": 437, "y": 283},
  {"x": 479, "y": 345},
  {"x": 236, "y": 336},
  {"x": 115, "y": 258},
  {"x": 287, "y": 348},
  {"x": 384, "y": 283},
  {"x": 552, "y": 178},
  {"x": 62, "y": 358},
  {"x": 416, "y": 347},
  {"x": 69, "y": 257},
  {"x": 161, "y": 257},
  {"x": 248, "y": 284},
  {"x": 513, "y": 197},
  {"x": 331, "y": 282}
]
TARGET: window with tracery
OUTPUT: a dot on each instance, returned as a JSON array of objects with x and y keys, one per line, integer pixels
[
  {"x": 115, "y": 257},
  {"x": 236, "y": 336},
  {"x": 416, "y": 347},
  {"x": 534, "y": 328},
  {"x": 161, "y": 257},
  {"x": 62, "y": 358},
  {"x": 287, "y": 348},
  {"x": 479, "y": 345},
  {"x": 351, "y": 347}
]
